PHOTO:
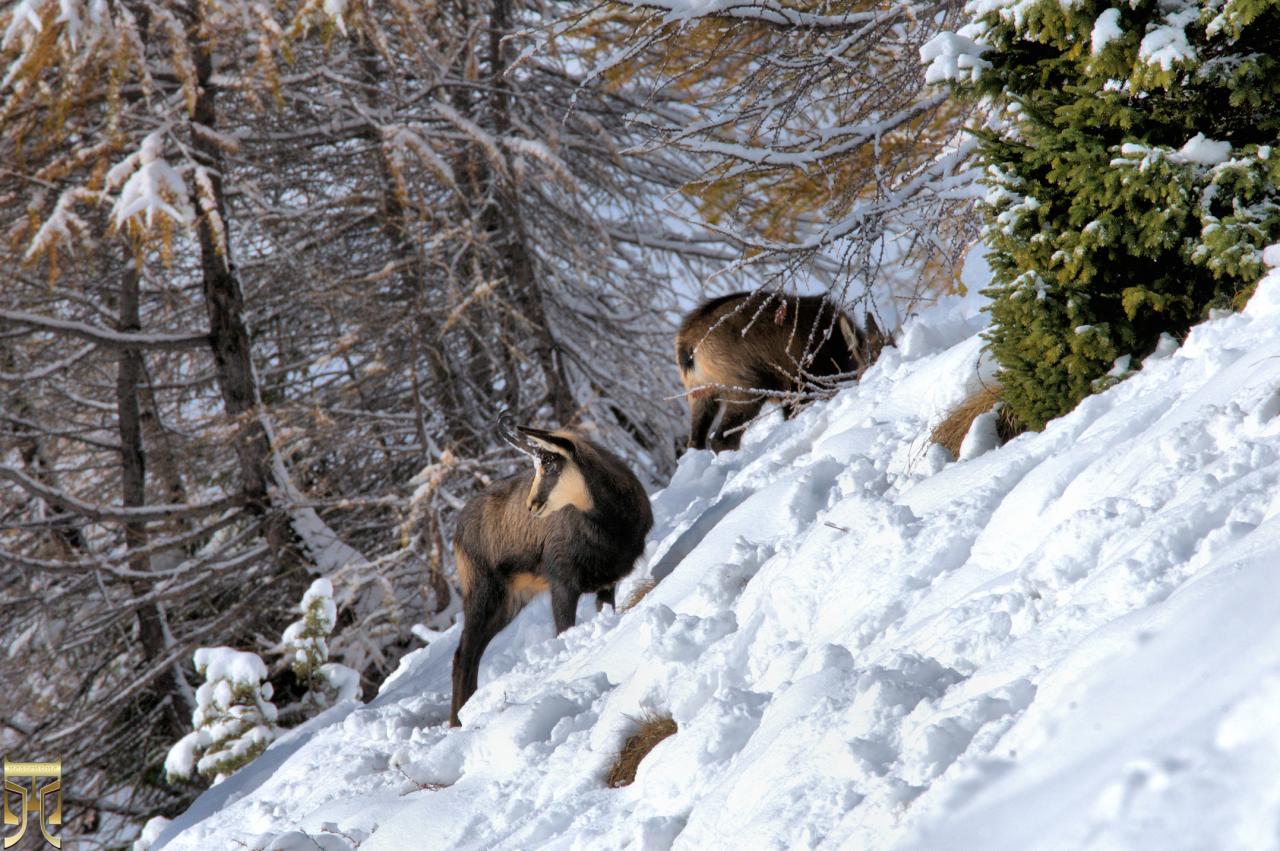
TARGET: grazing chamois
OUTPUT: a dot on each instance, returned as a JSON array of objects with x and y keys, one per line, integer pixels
[
  {"x": 573, "y": 525},
  {"x": 731, "y": 348}
]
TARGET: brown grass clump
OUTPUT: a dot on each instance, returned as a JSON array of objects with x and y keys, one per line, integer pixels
[
  {"x": 950, "y": 433},
  {"x": 653, "y": 729},
  {"x": 637, "y": 594}
]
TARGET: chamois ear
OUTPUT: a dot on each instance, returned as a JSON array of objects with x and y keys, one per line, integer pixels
[{"x": 548, "y": 441}]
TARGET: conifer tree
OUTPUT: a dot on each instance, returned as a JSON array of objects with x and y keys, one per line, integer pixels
[
  {"x": 307, "y": 641},
  {"x": 234, "y": 718},
  {"x": 1132, "y": 183}
]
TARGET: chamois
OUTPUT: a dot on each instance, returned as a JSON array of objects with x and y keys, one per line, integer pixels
[
  {"x": 731, "y": 348},
  {"x": 573, "y": 525}
]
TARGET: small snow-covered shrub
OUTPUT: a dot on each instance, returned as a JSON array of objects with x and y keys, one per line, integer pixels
[
  {"x": 307, "y": 639},
  {"x": 653, "y": 729},
  {"x": 234, "y": 718}
]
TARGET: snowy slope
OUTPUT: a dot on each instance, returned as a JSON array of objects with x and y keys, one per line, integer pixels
[{"x": 1071, "y": 641}]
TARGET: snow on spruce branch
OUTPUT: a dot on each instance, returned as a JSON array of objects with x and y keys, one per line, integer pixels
[
  {"x": 234, "y": 719},
  {"x": 320, "y": 13},
  {"x": 954, "y": 56}
]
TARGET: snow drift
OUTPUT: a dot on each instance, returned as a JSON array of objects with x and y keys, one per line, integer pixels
[{"x": 1069, "y": 641}]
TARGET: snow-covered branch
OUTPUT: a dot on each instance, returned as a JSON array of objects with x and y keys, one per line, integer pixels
[{"x": 104, "y": 336}]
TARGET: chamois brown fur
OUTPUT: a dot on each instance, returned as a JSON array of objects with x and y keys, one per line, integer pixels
[
  {"x": 731, "y": 348},
  {"x": 573, "y": 525}
]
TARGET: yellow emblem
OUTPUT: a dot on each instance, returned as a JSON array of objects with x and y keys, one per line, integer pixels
[{"x": 33, "y": 800}]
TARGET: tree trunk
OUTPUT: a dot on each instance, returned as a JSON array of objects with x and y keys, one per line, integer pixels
[
  {"x": 175, "y": 691},
  {"x": 228, "y": 332}
]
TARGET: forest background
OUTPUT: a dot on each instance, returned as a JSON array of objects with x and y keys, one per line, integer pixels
[{"x": 269, "y": 272}]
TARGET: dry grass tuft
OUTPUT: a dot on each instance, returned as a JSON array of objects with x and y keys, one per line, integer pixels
[
  {"x": 950, "y": 433},
  {"x": 637, "y": 594},
  {"x": 653, "y": 729}
]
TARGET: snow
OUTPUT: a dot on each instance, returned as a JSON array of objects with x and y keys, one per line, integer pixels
[
  {"x": 1204, "y": 151},
  {"x": 236, "y": 666},
  {"x": 953, "y": 56},
  {"x": 306, "y": 639},
  {"x": 344, "y": 680},
  {"x": 180, "y": 761},
  {"x": 150, "y": 833},
  {"x": 1106, "y": 29},
  {"x": 981, "y": 438},
  {"x": 1167, "y": 46},
  {"x": 320, "y": 593},
  {"x": 1271, "y": 256},
  {"x": 155, "y": 187},
  {"x": 335, "y": 9},
  {"x": 1072, "y": 640},
  {"x": 23, "y": 15}
]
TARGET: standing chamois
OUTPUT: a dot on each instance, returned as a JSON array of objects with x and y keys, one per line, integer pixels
[
  {"x": 732, "y": 348},
  {"x": 573, "y": 525}
]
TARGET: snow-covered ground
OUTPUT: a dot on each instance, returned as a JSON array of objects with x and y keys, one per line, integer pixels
[{"x": 1070, "y": 641}]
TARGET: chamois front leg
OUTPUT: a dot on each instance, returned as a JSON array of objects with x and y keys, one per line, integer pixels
[
  {"x": 485, "y": 613},
  {"x": 703, "y": 408},
  {"x": 733, "y": 423},
  {"x": 564, "y": 606}
]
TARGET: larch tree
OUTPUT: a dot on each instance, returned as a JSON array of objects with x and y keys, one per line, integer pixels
[
  {"x": 270, "y": 274},
  {"x": 823, "y": 158}
]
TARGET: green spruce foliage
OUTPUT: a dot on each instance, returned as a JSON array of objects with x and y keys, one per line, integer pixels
[
  {"x": 1132, "y": 180},
  {"x": 307, "y": 640}
]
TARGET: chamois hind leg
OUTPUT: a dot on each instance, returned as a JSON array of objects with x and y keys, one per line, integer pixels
[
  {"x": 486, "y": 611},
  {"x": 605, "y": 595},
  {"x": 736, "y": 416}
]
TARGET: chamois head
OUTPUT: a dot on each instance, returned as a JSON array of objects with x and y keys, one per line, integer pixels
[
  {"x": 865, "y": 344},
  {"x": 558, "y": 481}
]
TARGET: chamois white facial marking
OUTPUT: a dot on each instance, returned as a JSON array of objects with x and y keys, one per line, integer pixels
[{"x": 557, "y": 482}]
